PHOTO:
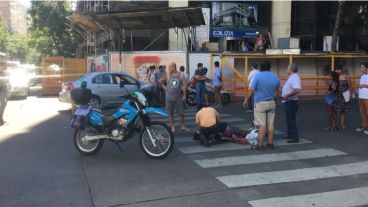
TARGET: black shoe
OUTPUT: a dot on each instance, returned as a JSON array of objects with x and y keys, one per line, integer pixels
[
  {"x": 204, "y": 140},
  {"x": 270, "y": 146},
  {"x": 292, "y": 141},
  {"x": 285, "y": 138},
  {"x": 196, "y": 136}
]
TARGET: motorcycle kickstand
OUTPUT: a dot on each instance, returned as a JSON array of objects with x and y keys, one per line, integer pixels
[{"x": 117, "y": 144}]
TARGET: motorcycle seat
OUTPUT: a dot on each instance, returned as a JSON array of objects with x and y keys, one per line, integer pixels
[{"x": 105, "y": 112}]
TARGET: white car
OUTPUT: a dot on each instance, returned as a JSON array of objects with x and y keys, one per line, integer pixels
[
  {"x": 105, "y": 87},
  {"x": 19, "y": 82}
]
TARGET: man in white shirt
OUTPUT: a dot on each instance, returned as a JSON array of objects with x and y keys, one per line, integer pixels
[
  {"x": 290, "y": 99},
  {"x": 363, "y": 98},
  {"x": 251, "y": 76}
]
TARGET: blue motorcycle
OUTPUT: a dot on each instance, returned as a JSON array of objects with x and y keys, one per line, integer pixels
[{"x": 92, "y": 127}]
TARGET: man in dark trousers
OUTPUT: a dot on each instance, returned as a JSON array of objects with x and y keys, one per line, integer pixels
[
  {"x": 4, "y": 91},
  {"x": 200, "y": 77},
  {"x": 290, "y": 99}
]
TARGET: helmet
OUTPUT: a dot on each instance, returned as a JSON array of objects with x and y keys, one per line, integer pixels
[{"x": 140, "y": 97}]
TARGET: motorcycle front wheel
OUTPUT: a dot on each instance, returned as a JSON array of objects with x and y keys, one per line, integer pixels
[
  {"x": 162, "y": 137},
  {"x": 87, "y": 147}
]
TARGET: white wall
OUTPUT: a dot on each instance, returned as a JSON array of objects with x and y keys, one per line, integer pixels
[{"x": 281, "y": 20}]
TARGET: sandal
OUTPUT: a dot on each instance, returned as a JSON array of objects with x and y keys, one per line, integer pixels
[{"x": 329, "y": 129}]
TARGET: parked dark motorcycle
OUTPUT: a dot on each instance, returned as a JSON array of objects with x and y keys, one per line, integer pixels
[
  {"x": 155, "y": 95},
  {"x": 192, "y": 101},
  {"x": 93, "y": 127}
]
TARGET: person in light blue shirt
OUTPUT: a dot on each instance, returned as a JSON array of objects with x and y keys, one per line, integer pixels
[
  {"x": 217, "y": 85},
  {"x": 264, "y": 86}
]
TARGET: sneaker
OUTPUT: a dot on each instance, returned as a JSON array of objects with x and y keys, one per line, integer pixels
[
  {"x": 360, "y": 129},
  {"x": 365, "y": 132}
]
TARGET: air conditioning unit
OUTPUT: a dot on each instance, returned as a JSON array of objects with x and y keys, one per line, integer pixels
[{"x": 288, "y": 43}]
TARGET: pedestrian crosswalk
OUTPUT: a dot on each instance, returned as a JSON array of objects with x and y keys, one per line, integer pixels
[
  {"x": 273, "y": 157},
  {"x": 340, "y": 198},
  {"x": 223, "y": 161}
]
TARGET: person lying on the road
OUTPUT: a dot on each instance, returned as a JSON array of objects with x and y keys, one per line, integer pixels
[{"x": 210, "y": 129}]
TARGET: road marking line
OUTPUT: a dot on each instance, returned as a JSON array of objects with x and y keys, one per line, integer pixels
[
  {"x": 264, "y": 178},
  {"x": 340, "y": 198},
  {"x": 232, "y": 146},
  {"x": 264, "y": 158}
]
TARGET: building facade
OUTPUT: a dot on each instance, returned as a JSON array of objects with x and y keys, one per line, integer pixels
[
  {"x": 310, "y": 22},
  {"x": 15, "y": 16}
]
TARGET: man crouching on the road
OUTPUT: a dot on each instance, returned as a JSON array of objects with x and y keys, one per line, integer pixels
[{"x": 208, "y": 124}]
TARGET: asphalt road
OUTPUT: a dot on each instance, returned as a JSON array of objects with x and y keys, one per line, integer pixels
[{"x": 40, "y": 167}]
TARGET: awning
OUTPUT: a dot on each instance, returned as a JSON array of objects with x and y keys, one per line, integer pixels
[{"x": 140, "y": 19}]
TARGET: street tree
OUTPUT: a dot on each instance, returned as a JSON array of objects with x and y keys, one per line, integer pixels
[
  {"x": 336, "y": 30},
  {"x": 3, "y": 36},
  {"x": 52, "y": 36}
]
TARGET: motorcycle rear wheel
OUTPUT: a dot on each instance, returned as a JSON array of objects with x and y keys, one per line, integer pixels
[
  {"x": 191, "y": 99},
  {"x": 87, "y": 147},
  {"x": 163, "y": 137}
]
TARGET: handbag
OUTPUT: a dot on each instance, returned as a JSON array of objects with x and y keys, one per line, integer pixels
[{"x": 346, "y": 95}]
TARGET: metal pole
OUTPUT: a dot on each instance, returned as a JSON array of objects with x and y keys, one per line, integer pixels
[{"x": 158, "y": 37}]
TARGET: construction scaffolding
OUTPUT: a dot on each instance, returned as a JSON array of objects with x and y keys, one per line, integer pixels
[{"x": 93, "y": 38}]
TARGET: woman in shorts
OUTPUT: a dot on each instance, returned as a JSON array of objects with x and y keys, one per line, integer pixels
[{"x": 330, "y": 101}]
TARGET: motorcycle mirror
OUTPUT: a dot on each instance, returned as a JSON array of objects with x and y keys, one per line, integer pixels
[{"x": 121, "y": 84}]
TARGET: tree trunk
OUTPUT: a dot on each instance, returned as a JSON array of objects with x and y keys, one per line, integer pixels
[{"x": 336, "y": 30}]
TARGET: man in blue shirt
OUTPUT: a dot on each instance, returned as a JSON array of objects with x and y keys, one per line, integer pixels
[{"x": 264, "y": 86}]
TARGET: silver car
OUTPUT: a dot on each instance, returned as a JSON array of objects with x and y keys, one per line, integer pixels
[{"x": 105, "y": 87}]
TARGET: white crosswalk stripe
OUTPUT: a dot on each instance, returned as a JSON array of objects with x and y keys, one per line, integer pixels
[
  {"x": 223, "y": 160},
  {"x": 231, "y": 146},
  {"x": 274, "y": 157},
  {"x": 341, "y": 198},
  {"x": 264, "y": 178}
]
